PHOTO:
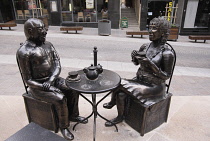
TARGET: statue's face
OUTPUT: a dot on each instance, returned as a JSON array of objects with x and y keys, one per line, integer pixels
[
  {"x": 154, "y": 32},
  {"x": 39, "y": 32}
]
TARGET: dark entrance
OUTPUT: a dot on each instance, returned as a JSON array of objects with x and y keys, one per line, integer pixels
[
  {"x": 155, "y": 9},
  {"x": 151, "y": 9},
  {"x": 6, "y": 11}
]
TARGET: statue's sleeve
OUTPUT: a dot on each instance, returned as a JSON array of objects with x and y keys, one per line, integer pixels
[
  {"x": 143, "y": 47},
  {"x": 164, "y": 71},
  {"x": 168, "y": 61},
  {"x": 57, "y": 66}
]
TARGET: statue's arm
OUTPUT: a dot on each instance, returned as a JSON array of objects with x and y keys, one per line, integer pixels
[
  {"x": 56, "y": 69},
  {"x": 165, "y": 70}
]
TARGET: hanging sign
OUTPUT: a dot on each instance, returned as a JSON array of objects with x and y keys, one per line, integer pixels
[
  {"x": 89, "y": 4},
  {"x": 31, "y": 5},
  {"x": 53, "y": 6}
]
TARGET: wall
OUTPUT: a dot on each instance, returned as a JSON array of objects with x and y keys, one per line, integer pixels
[{"x": 179, "y": 13}]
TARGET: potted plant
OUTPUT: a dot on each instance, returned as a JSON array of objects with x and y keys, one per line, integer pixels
[{"x": 174, "y": 32}]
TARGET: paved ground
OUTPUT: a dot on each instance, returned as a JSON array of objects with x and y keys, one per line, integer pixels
[{"x": 189, "y": 112}]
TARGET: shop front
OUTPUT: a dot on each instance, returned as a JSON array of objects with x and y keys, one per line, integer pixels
[
  {"x": 196, "y": 17},
  {"x": 85, "y": 13},
  {"x": 155, "y": 8}
]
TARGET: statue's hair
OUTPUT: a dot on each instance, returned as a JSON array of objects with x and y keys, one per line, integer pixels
[
  {"x": 30, "y": 23},
  {"x": 164, "y": 27}
]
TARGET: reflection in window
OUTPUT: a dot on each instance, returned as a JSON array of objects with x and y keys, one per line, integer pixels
[
  {"x": 30, "y": 8},
  {"x": 66, "y": 12},
  {"x": 84, "y": 10}
]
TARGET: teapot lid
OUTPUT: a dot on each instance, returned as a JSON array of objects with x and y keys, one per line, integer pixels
[{"x": 92, "y": 67}]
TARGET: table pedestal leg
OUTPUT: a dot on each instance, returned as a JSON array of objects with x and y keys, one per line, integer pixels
[
  {"x": 95, "y": 112},
  {"x": 95, "y": 115}
]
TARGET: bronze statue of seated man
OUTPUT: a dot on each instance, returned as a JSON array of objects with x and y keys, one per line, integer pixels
[
  {"x": 156, "y": 65},
  {"x": 40, "y": 67}
]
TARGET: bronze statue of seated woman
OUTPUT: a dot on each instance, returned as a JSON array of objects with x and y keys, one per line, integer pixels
[{"x": 156, "y": 64}]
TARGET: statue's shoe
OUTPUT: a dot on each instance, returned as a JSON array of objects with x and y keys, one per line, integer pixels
[
  {"x": 79, "y": 119},
  {"x": 67, "y": 134},
  {"x": 116, "y": 120},
  {"x": 108, "y": 105}
]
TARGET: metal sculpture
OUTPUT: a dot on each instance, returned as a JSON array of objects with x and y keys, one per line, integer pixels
[
  {"x": 156, "y": 61},
  {"x": 40, "y": 67}
]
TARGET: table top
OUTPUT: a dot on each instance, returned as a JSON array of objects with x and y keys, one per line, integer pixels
[{"x": 106, "y": 81}]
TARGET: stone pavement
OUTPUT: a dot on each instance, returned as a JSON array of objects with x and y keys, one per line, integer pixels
[{"x": 189, "y": 111}]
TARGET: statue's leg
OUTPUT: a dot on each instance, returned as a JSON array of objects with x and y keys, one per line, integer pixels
[
  {"x": 72, "y": 101},
  {"x": 112, "y": 103},
  {"x": 120, "y": 101},
  {"x": 121, "y": 104},
  {"x": 57, "y": 99}
]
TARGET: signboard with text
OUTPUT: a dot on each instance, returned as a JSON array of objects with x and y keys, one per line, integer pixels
[{"x": 89, "y": 4}]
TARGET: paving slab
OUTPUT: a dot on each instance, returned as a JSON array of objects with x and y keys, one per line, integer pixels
[{"x": 188, "y": 120}]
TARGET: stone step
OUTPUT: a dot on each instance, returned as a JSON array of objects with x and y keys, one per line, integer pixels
[{"x": 131, "y": 15}]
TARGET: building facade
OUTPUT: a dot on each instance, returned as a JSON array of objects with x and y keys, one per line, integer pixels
[
  {"x": 191, "y": 16},
  {"x": 67, "y": 12}
]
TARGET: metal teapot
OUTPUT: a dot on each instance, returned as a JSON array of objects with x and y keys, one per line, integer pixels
[{"x": 92, "y": 72}]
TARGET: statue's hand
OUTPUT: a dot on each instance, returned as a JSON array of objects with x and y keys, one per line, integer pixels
[
  {"x": 134, "y": 53},
  {"x": 133, "y": 56},
  {"x": 54, "y": 89},
  {"x": 46, "y": 85}
]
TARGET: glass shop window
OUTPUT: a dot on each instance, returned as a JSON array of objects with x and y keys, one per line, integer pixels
[
  {"x": 84, "y": 10},
  {"x": 66, "y": 12},
  {"x": 25, "y": 9},
  {"x": 103, "y": 10},
  {"x": 198, "y": 13},
  {"x": 203, "y": 14},
  {"x": 79, "y": 10}
]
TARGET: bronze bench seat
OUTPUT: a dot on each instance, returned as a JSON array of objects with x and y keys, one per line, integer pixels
[
  {"x": 145, "y": 32},
  {"x": 71, "y": 28},
  {"x": 7, "y": 25},
  {"x": 199, "y": 37}
]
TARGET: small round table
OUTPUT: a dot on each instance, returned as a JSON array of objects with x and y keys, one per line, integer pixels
[{"x": 106, "y": 81}]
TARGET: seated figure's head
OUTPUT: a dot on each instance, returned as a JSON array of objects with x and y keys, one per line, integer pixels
[
  {"x": 35, "y": 30},
  {"x": 159, "y": 29}
]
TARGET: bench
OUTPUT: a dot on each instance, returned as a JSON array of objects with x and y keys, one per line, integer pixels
[
  {"x": 71, "y": 28},
  {"x": 145, "y": 32},
  {"x": 199, "y": 37},
  {"x": 7, "y": 25}
]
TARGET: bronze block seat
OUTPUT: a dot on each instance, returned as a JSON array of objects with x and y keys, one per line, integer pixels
[
  {"x": 71, "y": 28},
  {"x": 41, "y": 113},
  {"x": 144, "y": 117},
  {"x": 145, "y": 32},
  {"x": 199, "y": 37},
  {"x": 34, "y": 132},
  {"x": 7, "y": 25}
]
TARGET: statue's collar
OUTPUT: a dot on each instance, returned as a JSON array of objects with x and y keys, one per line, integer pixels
[{"x": 31, "y": 43}]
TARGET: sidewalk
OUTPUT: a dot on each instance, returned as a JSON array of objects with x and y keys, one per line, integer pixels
[
  {"x": 188, "y": 115},
  {"x": 184, "y": 122}
]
